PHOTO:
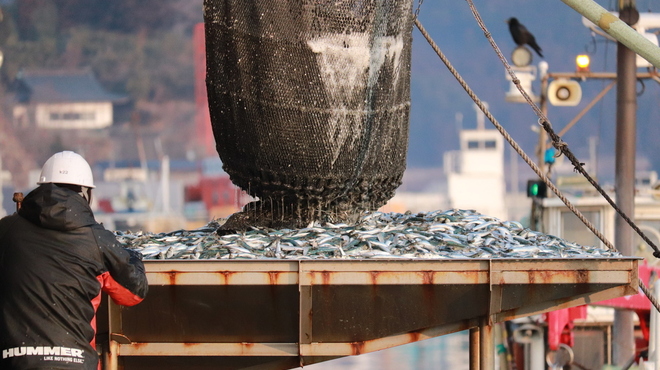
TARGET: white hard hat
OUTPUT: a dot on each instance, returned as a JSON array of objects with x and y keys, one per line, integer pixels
[{"x": 67, "y": 168}]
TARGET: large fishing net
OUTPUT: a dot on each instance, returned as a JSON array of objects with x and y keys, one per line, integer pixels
[{"x": 310, "y": 103}]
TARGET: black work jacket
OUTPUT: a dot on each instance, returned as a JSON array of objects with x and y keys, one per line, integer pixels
[{"x": 55, "y": 261}]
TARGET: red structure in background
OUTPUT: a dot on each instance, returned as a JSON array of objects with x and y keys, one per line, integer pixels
[
  {"x": 638, "y": 303},
  {"x": 219, "y": 195},
  {"x": 560, "y": 325},
  {"x": 204, "y": 131},
  {"x": 560, "y": 322},
  {"x": 215, "y": 193}
]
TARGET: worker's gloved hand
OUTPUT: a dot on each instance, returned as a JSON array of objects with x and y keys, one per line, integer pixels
[{"x": 134, "y": 254}]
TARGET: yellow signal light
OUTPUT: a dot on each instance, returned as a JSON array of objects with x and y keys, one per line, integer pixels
[{"x": 582, "y": 62}]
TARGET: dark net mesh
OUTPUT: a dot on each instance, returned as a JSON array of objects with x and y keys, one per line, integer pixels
[{"x": 310, "y": 101}]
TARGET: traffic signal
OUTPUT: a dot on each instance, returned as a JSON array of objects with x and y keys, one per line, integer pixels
[{"x": 537, "y": 189}]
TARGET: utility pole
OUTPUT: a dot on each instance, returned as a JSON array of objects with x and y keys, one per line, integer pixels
[
  {"x": 536, "y": 219},
  {"x": 626, "y": 118}
]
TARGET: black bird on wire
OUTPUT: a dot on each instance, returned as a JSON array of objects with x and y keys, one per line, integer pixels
[{"x": 522, "y": 36}]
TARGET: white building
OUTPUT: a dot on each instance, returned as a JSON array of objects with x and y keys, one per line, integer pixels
[
  {"x": 558, "y": 220},
  {"x": 63, "y": 100},
  {"x": 475, "y": 173}
]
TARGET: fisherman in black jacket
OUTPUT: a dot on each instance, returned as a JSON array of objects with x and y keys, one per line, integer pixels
[{"x": 55, "y": 260}]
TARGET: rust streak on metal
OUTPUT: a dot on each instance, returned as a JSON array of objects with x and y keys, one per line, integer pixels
[
  {"x": 172, "y": 276},
  {"x": 531, "y": 276},
  {"x": 374, "y": 277},
  {"x": 582, "y": 276},
  {"x": 325, "y": 276},
  {"x": 428, "y": 290},
  {"x": 138, "y": 345},
  {"x": 471, "y": 277},
  {"x": 225, "y": 276},
  {"x": 427, "y": 277},
  {"x": 189, "y": 344},
  {"x": 358, "y": 348},
  {"x": 498, "y": 280},
  {"x": 273, "y": 277},
  {"x": 546, "y": 276},
  {"x": 414, "y": 337},
  {"x": 541, "y": 277}
]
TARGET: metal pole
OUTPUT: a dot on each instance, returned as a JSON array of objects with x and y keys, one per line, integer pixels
[
  {"x": 544, "y": 109},
  {"x": 540, "y": 152},
  {"x": 486, "y": 348},
  {"x": 112, "y": 359},
  {"x": 474, "y": 348},
  {"x": 165, "y": 183},
  {"x": 626, "y": 104},
  {"x": 653, "y": 337},
  {"x": 500, "y": 344},
  {"x": 593, "y": 156}
]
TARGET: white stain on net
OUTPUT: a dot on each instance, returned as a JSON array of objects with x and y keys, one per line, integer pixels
[{"x": 351, "y": 64}]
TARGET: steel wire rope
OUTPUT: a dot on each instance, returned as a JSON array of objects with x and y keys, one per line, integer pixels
[
  {"x": 419, "y": 6},
  {"x": 508, "y": 137}
]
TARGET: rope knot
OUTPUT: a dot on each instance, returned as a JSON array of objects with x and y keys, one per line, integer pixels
[{"x": 560, "y": 146}]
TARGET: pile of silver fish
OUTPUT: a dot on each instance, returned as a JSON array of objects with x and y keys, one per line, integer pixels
[{"x": 451, "y": 234}]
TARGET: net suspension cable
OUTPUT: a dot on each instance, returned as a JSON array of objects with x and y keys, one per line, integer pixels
[{"x": 556, "y": 140}]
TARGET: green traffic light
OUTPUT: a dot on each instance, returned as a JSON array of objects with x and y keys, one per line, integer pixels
[{"x": 534, "y": 190}]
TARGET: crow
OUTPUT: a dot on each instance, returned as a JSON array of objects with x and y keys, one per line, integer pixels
[{"x": 522, "y": 36}]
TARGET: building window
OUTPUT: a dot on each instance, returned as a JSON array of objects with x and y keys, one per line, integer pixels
[
  {"x": 72, "y": 116},
  {"x": 477, "y": 144}
]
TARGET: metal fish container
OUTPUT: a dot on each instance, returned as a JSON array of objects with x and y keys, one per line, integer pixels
[
  {"x": 279, "y": 314},
  {"x": 310, "y": 100}
]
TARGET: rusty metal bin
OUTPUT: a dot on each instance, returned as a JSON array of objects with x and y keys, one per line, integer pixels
[{"x": 280, "y": 314}]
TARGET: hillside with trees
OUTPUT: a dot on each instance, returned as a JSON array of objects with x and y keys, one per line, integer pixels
[{"x": 141, "y": 49}]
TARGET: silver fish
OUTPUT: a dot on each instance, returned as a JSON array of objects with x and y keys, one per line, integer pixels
[{"x": 448, "y": 234}]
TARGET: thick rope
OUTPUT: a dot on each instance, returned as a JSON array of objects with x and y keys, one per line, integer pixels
[
  {"x": 649, "y": 295},
  {"x": 546, "y": 124}
]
